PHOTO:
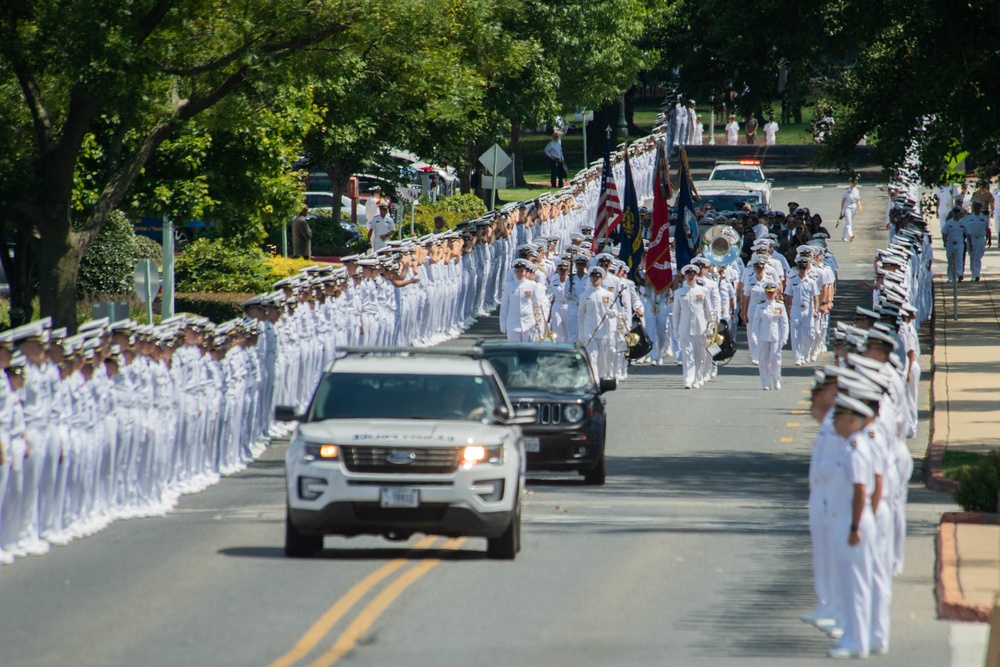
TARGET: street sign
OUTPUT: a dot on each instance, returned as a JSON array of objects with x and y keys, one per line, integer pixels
[
  {"x": 583, "y": 116},
  {"x": 494, "y": 159},
  {"x": 488, "y": 183},
  {"x": 147, "y": 271}
]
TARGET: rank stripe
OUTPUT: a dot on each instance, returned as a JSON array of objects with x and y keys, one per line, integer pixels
[
  {"x": 374, "y": 609},
  {"x": 315, "y": 634}
]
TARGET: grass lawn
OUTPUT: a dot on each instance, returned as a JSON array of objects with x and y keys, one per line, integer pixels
[{"x": 953, "y": 460}]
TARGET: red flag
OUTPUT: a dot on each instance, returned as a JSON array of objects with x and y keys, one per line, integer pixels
[{"x": 658, "y": 256}]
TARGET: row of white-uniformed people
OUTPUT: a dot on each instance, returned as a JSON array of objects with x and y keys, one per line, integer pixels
[
  {"x": 119, "y": 420},
  {"x": 549, "y": 296},
  {"x": 866, "y": 405}
]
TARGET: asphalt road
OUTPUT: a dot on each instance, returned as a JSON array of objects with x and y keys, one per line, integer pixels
[{"x": 695, "y": 553}]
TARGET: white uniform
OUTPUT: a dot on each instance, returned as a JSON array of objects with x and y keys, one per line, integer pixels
[
  {"x": 976, "y": 226},
  {"x": 519, "y": 309},
  {"x": 597, "y": 323},
  {"x": 954, "y": 243},
  {"x": 770, "y": 133},
  {"x": 379, "y": 226},
  {"x": 691, "y": 314},
  {"x": 852, "y": 197},
  {"x": 853, "y": 465},
  {"x": 771, "y": 331},
  {"x": 732, "y": 133},
  {"x": 803, "y": 314}
]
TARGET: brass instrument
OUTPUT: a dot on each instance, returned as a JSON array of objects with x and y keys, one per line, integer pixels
[
  {"x": 721, "y": 245},
  {"x": 542, "y": 324}
]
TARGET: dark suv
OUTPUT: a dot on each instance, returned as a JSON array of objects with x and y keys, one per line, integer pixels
[{"x": 569, "y": 432}]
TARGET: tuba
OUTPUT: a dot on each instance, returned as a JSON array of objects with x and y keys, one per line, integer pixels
[{"x": 721, "y": 245}]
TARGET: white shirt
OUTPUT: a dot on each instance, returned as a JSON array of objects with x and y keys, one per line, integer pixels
[
  {"x": 732, "y": 132},
  {"x": 770, "y": 132},
  {"x": 380, "y": 226}
]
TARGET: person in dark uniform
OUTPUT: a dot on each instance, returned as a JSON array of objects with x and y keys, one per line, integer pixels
[{"x": 301, "y": 235}]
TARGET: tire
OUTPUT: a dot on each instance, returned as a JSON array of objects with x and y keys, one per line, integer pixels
[
  {"x": 508, "y": 544},
  {"x": 298, "y": 545},
  {"x": 596, "y": 476}
]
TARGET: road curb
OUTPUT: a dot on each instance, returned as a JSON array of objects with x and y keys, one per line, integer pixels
[{"x": 951, "y": 602}]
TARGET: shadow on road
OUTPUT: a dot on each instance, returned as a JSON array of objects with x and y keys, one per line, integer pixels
[{"x": 364, "y": 554}]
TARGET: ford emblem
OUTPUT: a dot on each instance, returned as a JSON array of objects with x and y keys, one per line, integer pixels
[{"x": 401, "y": 457}]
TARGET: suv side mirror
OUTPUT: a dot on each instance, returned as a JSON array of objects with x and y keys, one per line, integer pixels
[
  {"x": 608, "y": 384},
  {"x": 286, "y": 413}
]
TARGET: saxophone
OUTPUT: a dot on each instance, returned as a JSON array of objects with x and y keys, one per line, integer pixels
[{"x": 542, "y": 325}]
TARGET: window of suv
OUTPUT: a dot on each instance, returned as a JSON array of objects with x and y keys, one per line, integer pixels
[
  {"x": 405, "y": 396},
  {"x": 542, "y": 370},
  {"x": 745, "y": 175}
]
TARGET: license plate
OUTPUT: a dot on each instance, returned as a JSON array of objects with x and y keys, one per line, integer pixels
[
  {"x": 532, "y": 445},
  {"x": 399, "y": 497}
]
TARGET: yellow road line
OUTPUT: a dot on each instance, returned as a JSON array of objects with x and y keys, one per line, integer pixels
[
  {"x": 367, "y": 616},
  {"x": 798, "y": 412},
  {"x": 791, "y": 424},
  {"x": 787, "y": 440},
  {"x": 325, "y": 623},
  {"x": 804, "y": 403}
]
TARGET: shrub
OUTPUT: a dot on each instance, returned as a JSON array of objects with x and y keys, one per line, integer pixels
[
  {"x": 330, "y": 239},
  {"x": 108, "y": 265},
  {"x": 218, "y": 307},
  {"x": 213, "y": 265},
  {"x": 147, "y": 248},
  {"x": 979, "y": 484},
  {"x": 283, "y": 267},
  {"x": 453, "y": 209}
]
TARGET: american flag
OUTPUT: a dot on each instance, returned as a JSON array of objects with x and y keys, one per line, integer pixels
[{"x": 609, "y": 205}]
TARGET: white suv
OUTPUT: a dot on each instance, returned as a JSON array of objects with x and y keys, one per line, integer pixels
[
  {"x": 397, "y": 442},
  {"x": 741, "y": 174}
]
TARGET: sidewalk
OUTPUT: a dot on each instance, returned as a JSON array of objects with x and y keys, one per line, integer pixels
[{"x": 965, "y": 401}]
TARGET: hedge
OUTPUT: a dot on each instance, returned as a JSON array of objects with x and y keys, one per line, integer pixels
[{"x": 216, "y": 306}]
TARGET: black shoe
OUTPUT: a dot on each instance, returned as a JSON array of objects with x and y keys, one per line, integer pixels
[
  {"x": 961, "y": 278},
  {"x": 976, "y": 279}
]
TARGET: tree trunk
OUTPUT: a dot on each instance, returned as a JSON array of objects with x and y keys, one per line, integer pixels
[
  {"x": 465, "y": 180},
  {"x": 58, "y": 268},
  {"x": 338, "y": 185},
  {"x": 515, "y": 152}
]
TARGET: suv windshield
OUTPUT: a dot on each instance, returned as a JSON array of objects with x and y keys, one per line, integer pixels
[
  {"x": 392, "y": 396},
  {"x": 729, "y": 202},
  {"x": 541, "y": 370},
  {"x": 745, "y": 175}
]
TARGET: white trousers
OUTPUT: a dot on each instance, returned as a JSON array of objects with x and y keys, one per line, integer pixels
[
  {"x": 849, "y": 212},
  {"x": 693, "y": 353},
  {"x": 882, "y": 576},
  {"x": 854, "y": 575},
  {"x": 824, "y": 573},
  {"x": 769, "y": 355},
  {"x": 802, "y": 337}
]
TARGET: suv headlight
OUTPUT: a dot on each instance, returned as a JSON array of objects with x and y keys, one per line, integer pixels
[
  {"x": 315, "y": 450},
  {"x": 573, "y": 412},
  {"x": 476, "y": 454}
]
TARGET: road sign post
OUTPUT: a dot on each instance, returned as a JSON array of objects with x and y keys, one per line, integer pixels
[
  {"x": 147, "y": 285},
  {"x": 167, "y": 302},
  {"x": 494, "y": 160}
]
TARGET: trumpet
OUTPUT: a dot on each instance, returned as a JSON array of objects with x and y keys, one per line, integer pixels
[{"x": 542, "y": 325}]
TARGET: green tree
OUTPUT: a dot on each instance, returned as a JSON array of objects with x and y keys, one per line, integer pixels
[
  {"x": 92, "y": 90},
  {"x": 924, "y": 73}
]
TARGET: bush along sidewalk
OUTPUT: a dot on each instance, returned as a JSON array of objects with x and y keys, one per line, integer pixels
[{"x": 978, "y": 483}]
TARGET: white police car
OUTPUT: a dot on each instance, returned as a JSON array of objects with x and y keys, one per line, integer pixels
[{"x": 397, "y": 442}]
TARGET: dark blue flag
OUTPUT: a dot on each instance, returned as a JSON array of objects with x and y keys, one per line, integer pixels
[
  {"x": 630, "y": 231},
  {"x": 686, "y": 231}
]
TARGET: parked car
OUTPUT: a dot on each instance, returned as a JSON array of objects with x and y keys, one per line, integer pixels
[{"x": 558, "y": 382}]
